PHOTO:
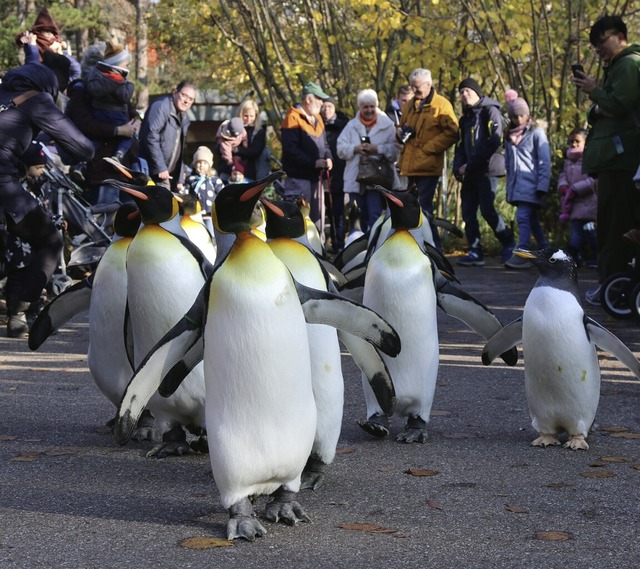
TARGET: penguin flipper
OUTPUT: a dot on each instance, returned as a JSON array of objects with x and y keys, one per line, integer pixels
[
  {"x": 373, "y": 367},
  {"x": 59, "y": 311},
  {"x": 168, "y": 353},
  {"x": 352, "y": 250},
  {"x": 439, "y": 259},
  {"x": 321, "y": 307},
  {"x": 448, "y": 226},
  {"x": 609, "y": 342},
  {"x": 174, "y": 377},
  {"x": 461, "y": 305},
  {"x": 505, "y": 339}
]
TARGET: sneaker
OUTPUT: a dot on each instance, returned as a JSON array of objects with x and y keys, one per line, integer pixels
[
  {"x": 472, "y": 259},
  {"x": 507, "y": 253},
  {"x": 517, "y": 263},
  {"x": 594, "y": 297}
]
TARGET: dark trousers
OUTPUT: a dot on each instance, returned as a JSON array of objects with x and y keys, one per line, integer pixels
[
  {"x": 427, "y": 186},
  {"x": 37, "y": 229},
  {"x": 618, "y": 212},
  {"x": 480, "y": 192}
]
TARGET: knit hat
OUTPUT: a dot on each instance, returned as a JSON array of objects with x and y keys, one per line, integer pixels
[
  {"x": 472, "y": 84},
  {"x": 331, "y": 100},
  {"x": 204, "y": 154},
  {"x": 45, "y": 23},
  {"x": 116, "y": 55},
  {"x": 314, "y": 89},
  {"x": 237, "y": 166},
  {"x": 510, "y": 95},
  {"x": 232, "y": 128},
  {"x": 34, "y": 156},
  {"x": 60, "y": 65},
  {"x": 518, "y": 107}
]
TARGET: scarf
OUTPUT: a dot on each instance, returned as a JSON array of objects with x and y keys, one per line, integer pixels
[
  {"x": 368, "y": 124},
  {"x": 515, "y": 134}
]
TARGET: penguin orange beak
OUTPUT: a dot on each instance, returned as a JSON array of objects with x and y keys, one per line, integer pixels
[
  {"x": 273, "y": 207},
  {"x": 524, "y": 254},
  {"x": 134, "y": 193}
]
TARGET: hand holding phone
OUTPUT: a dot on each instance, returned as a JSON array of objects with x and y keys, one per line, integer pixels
[{"x": 577, "y": 67}]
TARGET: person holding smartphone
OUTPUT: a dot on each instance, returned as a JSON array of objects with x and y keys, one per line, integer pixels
[{"x": 612, "y": 151}]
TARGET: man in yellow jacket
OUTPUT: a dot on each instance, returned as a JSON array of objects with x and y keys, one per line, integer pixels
[{"x": 428, "y": 127}]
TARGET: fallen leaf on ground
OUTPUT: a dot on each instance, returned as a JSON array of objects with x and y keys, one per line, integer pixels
[
  {"x": 433, "y": 504},
  {"x": 8, "y": 438},
  {"x": 368, "y": 528},
  {"x": 345, "y": 450},
  {"x": 385, "y": 469},
  {"x": 614, "y": 429},
  {"x": 26, "y": 457},
  {"x": 205, "y": 542},
  {"x": 63, "y": 452},
  {"x": 598, "y": 474},
  {"x": 553, "y": 535},
  {"x": 596, "y": 464},
  {"x": 614, "y": 459},
  {"x": 515, "y": 509},
  {"x": 625, "y": 435},
  {"x": 421, "y": 472},
  {"x": 636, "y": 466},
  {"x": 439, "y": 413}
]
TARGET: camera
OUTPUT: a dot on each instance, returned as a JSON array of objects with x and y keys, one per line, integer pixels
[{"x": 406, "y": 132}]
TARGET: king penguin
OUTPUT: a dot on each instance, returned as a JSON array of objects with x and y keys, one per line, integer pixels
[
  {"x": 288, "y": 238},
  {"x": 404, "y": 286},
  {"x": 195, "y": 228},
  {"x": 250, "y": 321},
  {"x": 561, "y": 370}
]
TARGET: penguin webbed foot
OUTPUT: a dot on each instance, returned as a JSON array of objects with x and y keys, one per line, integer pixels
[
  {"x": 545, "y": 441},
  {"x": 414, "y": 432},
  {"x": 201, "y": 444},
  {"x": 243, "y": 522},
  {"x": 313, "y": 474},
  {"x": 576, "y": 442},
  {"x": 283, "y": 507},
  {"x": 377, "y": 425}
]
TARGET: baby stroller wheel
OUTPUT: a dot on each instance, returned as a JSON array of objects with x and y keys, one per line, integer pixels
[
  {"x": 634, "y": 301},
  {"x": 616, "y": 295}
]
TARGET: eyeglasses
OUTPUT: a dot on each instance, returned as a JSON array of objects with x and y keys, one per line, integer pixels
[
  {"x": 186, "y": 98},
  {"x": 602, "y": 41}
]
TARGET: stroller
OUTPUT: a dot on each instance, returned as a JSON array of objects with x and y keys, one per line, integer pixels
[{"x": 88, "y": 232}]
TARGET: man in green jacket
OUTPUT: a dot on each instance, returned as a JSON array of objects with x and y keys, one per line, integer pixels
[{"x": 612, "y": 152}]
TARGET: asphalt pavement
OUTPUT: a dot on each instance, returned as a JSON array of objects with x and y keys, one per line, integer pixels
[{"x": 476, "y": 495}]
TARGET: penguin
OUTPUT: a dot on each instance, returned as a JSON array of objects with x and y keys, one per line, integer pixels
[
  {"x": 287, "y": 237},
  {"x": 250, "y": 321},
  {"x": 165, "y": 272},
  {"x": 404, "y": 286},
  {"x": 561, "y": 370},
  {"x": 194, "y": 226}
]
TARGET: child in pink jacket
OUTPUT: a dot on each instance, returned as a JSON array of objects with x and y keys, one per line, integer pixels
[{"x": 579, "y": 201}]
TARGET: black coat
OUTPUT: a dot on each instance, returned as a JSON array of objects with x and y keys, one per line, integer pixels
[{"x": 333, "y": 130}]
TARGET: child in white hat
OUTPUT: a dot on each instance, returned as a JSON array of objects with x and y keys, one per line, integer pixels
[{"x": 204, "y": 182}]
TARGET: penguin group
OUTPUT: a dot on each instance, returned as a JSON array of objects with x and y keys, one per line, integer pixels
[{"x": 233, "y": 340}]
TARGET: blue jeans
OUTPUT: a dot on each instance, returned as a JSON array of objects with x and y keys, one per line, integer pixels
[
  {"x": 528, "y": 225},
  {"x": 426, "y": 191},
  {"x": 480, "y": 192},
  {"x": 583, "y": 243}
]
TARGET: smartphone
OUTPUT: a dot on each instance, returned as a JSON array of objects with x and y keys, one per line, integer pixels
[
  {"x": 365, "y": 139},
  {"x": 577, "y": 67}
]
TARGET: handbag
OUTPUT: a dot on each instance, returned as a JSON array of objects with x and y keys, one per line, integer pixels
[{"x": 376, "y": 170}]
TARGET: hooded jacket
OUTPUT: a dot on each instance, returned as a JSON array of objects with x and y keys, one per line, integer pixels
[
  {"x": 436, "y": 128},
  {"x": 614, "y": 141},
  {"x": 480, "y": 138}
]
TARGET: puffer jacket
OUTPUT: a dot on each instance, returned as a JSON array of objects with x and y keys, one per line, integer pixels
[
  {"x": 528, "y": 166},
  {"x": 436, "y": 128},
  {"x": 382, "y": 134},
  {"x": 584, "y": 203},
  {"x": 614, "y": 141}
]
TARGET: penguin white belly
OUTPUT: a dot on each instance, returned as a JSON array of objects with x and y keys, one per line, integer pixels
[
  {"x": 163, "y": 280},
  {"x": 562, "y": 374},
  {"x": 399, "y": 286},
  {"x": 260, "y": 410},
  {"x": 107, "y": 355},
  {"x": 199, "y": 236},
  {"x": 326, "y": 364}
]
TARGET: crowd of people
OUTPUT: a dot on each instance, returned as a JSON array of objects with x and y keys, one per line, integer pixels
[{"x": 325, "y": 153}]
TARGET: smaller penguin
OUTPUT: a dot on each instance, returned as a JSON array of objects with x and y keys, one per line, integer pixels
[{"x": 561, "y": 370}]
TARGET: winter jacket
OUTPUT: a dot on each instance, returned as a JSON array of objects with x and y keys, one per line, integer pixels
[
  {"x": 79, "y": 110},
  {"x": 528, "y": 166},
  {"x": 20, "y": 125},
  {"x": 394, "y": 112},
  {"x": 251, "y": 153},
  {"x": 435, "y": 128},
  {"x": 382, "y": 134},
  {"x": 480, "y": 139},
  {"x": 162, "y": 137},
  {"x": 109, "y": 93},
  {"x": 584, "y": 203},
  {"x": 302, "y": 144},
  {"x": 333, "y": 130},
  {"x": 614, "y": 142}
]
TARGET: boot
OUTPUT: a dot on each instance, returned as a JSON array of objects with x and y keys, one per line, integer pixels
[
  {"x": 17, "y": 326},
  {"x": 508, "y": 244}
]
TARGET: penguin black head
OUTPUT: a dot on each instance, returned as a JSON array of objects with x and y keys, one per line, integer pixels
[
  {"x": 156, "y": 203},
  {"x": 126, "y": 220},
  {"x": 556, "y": 267},
  {"x": 234, "y": 205},
  {"x": 404, "y": 208},
  {"x": 189, "y": 205},
  {"x": 284, "y": 219},
  {"x": 133, "y": 177}
]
